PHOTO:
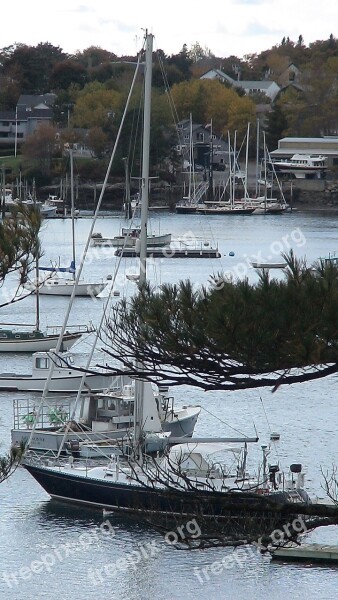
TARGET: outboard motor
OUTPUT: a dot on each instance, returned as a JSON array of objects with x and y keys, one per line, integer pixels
[
  {"x": 73, "y": 447},
  {"x": 273, "y": 469}
]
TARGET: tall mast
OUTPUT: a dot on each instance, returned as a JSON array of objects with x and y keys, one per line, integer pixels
[
  {"x": 257, "y": 158},
  {"x": 145, "y": 157},
  {"x": 139, "y": 383},
  {"x": 72, "y": 206}
]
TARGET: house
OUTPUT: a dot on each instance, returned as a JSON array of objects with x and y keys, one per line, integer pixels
[
  {"x": 30, "y": 111},
  {"x": 269, "y": 88},
  {"x": 290, "y": 75},
  {"x": 203, "y": 139}
]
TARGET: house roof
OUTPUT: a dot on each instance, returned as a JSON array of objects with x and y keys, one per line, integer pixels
[
  {"x": 218, "y": 73},
  {"x": 319, "y": 145},
  {"x": 30, "y": 101}
]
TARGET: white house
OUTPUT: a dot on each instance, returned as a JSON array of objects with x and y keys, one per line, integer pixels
[{"x": 269, "y": 88}]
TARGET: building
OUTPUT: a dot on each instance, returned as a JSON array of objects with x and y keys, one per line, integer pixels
[
  {"x": 30, "y": 111},
  {"x": 251, "y": 88},
  {"x": 203, "y": 142},
  {"x": 325, "y": 146}
]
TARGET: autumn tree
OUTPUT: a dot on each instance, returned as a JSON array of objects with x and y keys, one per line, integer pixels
[
  {"x": 182, "y": 61},
  {"x": 209, "y": 99},
  {"x": 41, "y": 147},
  {"x": 31, "y": 66},
  {"x": 97, "y": 141},
  {"x": 95, "y": 106},
  {"x": 66, "y": 73}
]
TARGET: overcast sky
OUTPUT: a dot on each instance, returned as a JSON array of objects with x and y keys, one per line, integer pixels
[{"x": 226, "y": 27}]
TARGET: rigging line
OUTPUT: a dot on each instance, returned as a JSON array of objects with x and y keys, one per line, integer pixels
[
  {"x": 224, "y": 422},
  {"x": 167, "y": 89}
]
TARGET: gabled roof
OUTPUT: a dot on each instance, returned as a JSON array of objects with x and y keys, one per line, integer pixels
[
  {"x": 30, "y": 101},
  {"x": 219, "y": 74}
]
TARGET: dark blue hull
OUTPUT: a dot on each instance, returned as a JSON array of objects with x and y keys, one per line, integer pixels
[{"x": 138, "y": 499}]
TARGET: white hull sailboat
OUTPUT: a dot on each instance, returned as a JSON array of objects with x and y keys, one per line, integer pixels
[
  {"x": 56, "y": 285},
  {"x": 24, "y": 340},
  {"x": 59, "y": 286}
]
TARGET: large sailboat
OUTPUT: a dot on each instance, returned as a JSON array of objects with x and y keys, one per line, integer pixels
[{"x": 187, "y": 479}]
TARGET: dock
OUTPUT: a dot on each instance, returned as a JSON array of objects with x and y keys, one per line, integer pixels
[
  {"x": 171, "y": 252},
  {"x": 308, "y": 553}
]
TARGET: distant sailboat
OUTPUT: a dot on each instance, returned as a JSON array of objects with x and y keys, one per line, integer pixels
[{"x": 63, "y": 286}]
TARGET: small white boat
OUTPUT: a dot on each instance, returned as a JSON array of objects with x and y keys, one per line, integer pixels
[
  {"x": 47, "y": 211},
  {"x": 66, "y": 377},
  {"x": 128, "y": 239},
  {"x": 268, "y": 265}
]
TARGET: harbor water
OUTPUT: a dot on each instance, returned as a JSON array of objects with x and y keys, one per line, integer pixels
[{"x": 50, "y": 550}]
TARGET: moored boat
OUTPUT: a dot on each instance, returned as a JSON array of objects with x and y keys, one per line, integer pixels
[
  {"x": 24, "y": 340},
  {"x": 301, "y": 165},
  {"x": 66, "y": 375}
]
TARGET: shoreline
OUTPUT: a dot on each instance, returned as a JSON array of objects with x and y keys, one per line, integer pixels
[{"x": 304, "y": 207}]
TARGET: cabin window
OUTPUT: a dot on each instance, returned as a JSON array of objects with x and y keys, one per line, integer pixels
[
  {"x": 3, "y": 336},
  {"x": 42, "y": 363}
]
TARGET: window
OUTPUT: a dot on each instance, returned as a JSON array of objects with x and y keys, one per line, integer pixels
[{"x": 42, "y": 363}]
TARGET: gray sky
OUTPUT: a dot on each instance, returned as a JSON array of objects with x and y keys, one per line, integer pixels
[{"x": 226, "y": 27}]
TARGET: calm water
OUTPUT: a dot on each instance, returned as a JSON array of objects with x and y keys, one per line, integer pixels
[{"x": 52, "y": 551}]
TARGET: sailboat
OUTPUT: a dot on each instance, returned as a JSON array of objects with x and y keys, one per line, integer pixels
[
  {"x": 30, "y": 338},
  {"x": 185, "y": 480},
  {"x": 128, "y": 239},
  {"x": 196, "y": 191},
  {"x": 231, "y": 206},
  {"x": 53, "y": 285}
]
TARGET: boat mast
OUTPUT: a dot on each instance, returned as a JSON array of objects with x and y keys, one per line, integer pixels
[
  {"x": 72, "y": 206},
  {"x": 37, "y": 291},
  {"x": 191, "y": 159},
  {"x": 139, "y": 383},
  {"x": 257, "y": 158},
  {"x": 145, "y": 158}
]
